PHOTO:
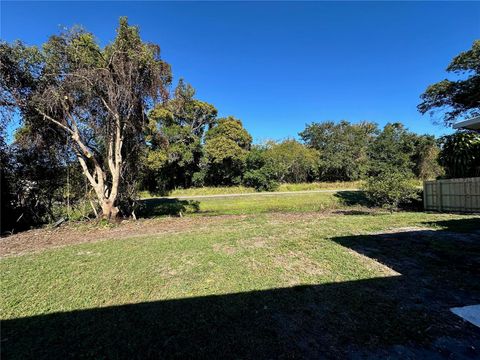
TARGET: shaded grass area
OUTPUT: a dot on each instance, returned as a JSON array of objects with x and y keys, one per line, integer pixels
[
  {"x": 264, "y": 286},
  {"x": 253, "y": 204}
]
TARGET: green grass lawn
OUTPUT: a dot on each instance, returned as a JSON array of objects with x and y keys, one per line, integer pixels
[
  {"x": 293, "y": 284},
  {"x": 255, "y": 204},
  {"x": 223, "y": 190}
]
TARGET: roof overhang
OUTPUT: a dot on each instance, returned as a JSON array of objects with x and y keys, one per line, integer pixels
[{"x": 470, "y": 124}]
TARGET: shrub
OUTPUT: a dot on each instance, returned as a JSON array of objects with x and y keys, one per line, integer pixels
[
  {"x": 391, "y": 189},
  {"x": 198, "y": 179},
  {"x": 260, "y": 180}
]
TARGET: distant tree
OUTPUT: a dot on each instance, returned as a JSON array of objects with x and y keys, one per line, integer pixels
[
  {"x": 460, "y": 97},
  {"x": 392, "y": 150},
  {"x": 226, "y": 148},
  {"x": 98, "y": 97},
  {"x": 460, "y": 154},
  {"x": 292, "y": 162},
  {"x": 342, "y": 148},
  {"x": 425, "y": 157},
  {"x": 174, "y": 138},
  {"x": 260, "y": 173}
]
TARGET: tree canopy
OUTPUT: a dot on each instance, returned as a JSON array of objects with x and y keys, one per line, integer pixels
[
  {"x": 97, "y": 97},
  {"x": 460, "y": 97},
  {"x": 342, "y": 148},
  {"x": 226, "y": 149},
  {"x": 175, "y": 135}
]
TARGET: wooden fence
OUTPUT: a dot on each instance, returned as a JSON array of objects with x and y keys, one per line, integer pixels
[{"x": 452, "y": 195}]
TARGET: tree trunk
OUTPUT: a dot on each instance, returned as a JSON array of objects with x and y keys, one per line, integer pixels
[{"x": 109, "y": 211}]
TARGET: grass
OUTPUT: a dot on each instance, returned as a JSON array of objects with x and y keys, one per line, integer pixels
[
  {"x": 255, "y": 204},
  {"x": 338, "y": 185},
  {"x": 225, "y": 190},
  {"x": 208, "y": 260},
  {"x": 268, "y": 285}
]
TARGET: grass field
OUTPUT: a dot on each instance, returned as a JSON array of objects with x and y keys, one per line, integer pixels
[
  {"x": 210, "y": 190},
  {"x": 219, "y": 190},
  {"x": 282, "y": 276},
  {"x": 253, "y": 204}
]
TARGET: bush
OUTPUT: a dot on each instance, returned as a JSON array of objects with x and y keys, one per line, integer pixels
[
  {"x": 391, "y": 190},
  {"x": 198, "y": 179},
  {"x": 260, "y": 180}
]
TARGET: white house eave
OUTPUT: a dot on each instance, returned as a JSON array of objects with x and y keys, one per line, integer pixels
[{"x": 470, "y": 124}]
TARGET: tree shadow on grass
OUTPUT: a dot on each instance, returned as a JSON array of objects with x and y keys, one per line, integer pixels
[
  {"x": 459, "y": 225},
  {"x": 166, "y": 206},
  {"x": 404, "y": 315},
  {"x": 352, "y": 198},
  {"x": 354, "y": 212}
]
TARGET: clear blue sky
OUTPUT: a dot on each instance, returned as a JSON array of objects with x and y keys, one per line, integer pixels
[{"x": 280, "y": 65}]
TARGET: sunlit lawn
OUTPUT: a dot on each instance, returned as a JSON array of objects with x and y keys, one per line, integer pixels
[
  {"x": 219, "y": 190},
  {"x": 347, "y": 293},
  {"x": 255, "y": 204}
]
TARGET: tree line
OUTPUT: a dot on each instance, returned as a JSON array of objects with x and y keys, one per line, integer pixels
[{"x": 100, "y": 124}]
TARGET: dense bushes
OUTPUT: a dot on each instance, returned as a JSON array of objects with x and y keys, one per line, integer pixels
[
  {"x": 223, "y": 154},
  {"x": 186, "y": 145},
  {"x": 260, "y": 180},
  {"x": 391, "y": 189},
  {"x": 342, "y": 148}
]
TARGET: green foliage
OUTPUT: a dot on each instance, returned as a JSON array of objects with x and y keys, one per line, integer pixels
[
  {"x": 198, "y": 179},
  {"x": 174, "y": 140},
  {"x": 460, "y": 154},
  {"x": 391, "y": 189},
  {"x": 97, "y": 97},
  {"x": 260, "y": 173},
  {"x": 260, "y": 179},
  {"x": 426, "y": 158},
  {"x": 226, "y": 149},
  {"x": 342, "y": 148},
  {"x": 391, "y": 150},
  {"x": 38, "y": 178},
  {"x": 290, "y": 162},
  {"x": 232, "y": 129},
  {"x": 274, "y": 163},
  {"x": 460, "y": 97}
]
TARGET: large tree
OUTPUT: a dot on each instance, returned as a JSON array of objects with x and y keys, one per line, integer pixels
[
  {"x": 226, "y": 149},
  {"x": 392, "y": 150},
  {"x": 342, "y": 148},
  {"x": 97, "y": 97},
  {"x": 290, "y": 161},
  {"x": 460, "y": 97},
  {"x": 174, "y": 138}
]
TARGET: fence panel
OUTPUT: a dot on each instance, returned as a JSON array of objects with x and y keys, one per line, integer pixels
[{"x": 452, "y": 195}]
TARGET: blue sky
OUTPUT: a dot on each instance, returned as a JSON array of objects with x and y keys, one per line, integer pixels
[{"x": 280, "y": 65}]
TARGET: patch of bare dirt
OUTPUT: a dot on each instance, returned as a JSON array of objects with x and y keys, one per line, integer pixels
[
  {"x": 296, "y": 262},
  {"x": 255, "y": 242},
  {"x": 225, "y": 249},
  {"x": 46, "y": 238}
]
